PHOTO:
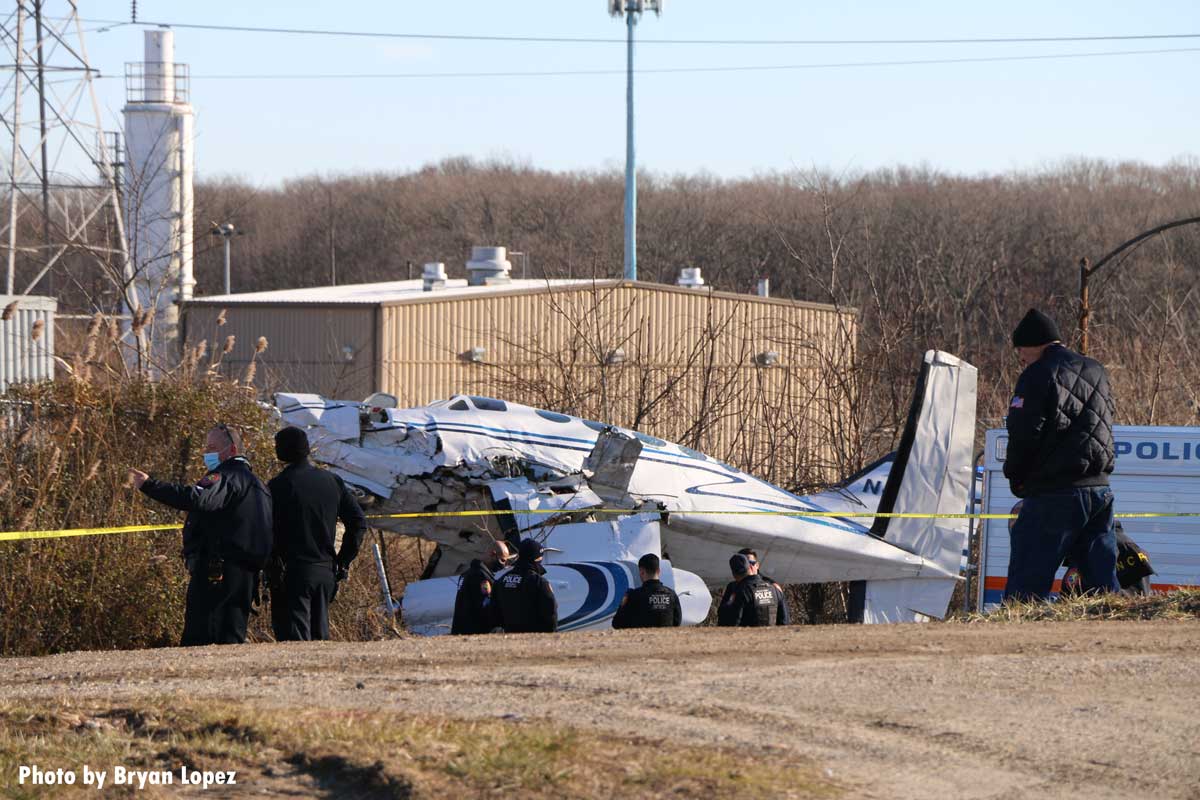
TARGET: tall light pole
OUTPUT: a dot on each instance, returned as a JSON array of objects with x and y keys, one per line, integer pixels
[
  {"x": 226, "y": 231},
  {"x": 632, "y": 11}
]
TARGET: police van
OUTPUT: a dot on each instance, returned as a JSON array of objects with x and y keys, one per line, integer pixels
[{"x": 1157, "y": 471}]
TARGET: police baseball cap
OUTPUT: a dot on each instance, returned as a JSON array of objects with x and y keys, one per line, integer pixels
[
  {"x": 739, "y": 564},
  {"x": 530, "y": 550}
]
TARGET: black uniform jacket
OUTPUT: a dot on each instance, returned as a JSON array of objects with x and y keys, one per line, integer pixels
[
  {"x": 229, "y": 513},
  {"x": 752, "y": 602},
  {"x": 308, "y": 502},
  {"x": 1060, "y": 425},
  {"x": 525, "y": 600},
  {"x": 651, "y": 605},
  {"x": 473, "y": 603}
]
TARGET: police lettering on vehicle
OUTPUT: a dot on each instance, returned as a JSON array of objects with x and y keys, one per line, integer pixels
[
  {"x": 1144, "y": 450},
  {"x": 1167, "y": 451}
]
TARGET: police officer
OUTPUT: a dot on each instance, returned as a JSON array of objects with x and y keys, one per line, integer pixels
[
  {"x": 473, "y": 611},
  {"x": 524, "y": 598},
  {"x": 755, "y": 567},
  {"x": 651, "y": 605},
  {"x": 750, "y": 601},
  {"x": 226, "y": 538},
  {"x": 308, "y": 502}
]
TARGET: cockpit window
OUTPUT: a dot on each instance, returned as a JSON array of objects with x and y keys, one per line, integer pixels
[
  {"x": 598, "y": 427},
  {"x": 653, "y": 441},
  {"x": 488, "y": 404},
  {"x": 553, "y": 416},
  {"x": 696, "y": 454},
  {"x": 459, "y": 405}
]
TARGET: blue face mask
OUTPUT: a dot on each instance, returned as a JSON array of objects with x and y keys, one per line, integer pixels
[{"x": 212, "y": 461}]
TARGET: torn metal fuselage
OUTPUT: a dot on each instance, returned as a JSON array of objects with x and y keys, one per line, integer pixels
[
  {"x": 469, "y": 494},
  {"x": 605, "y": 496}
]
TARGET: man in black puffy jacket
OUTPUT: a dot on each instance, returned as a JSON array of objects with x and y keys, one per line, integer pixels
[
  {"x": 651, "y": 605},
  {"x": 1060, "y": 454},
  {"x": 226, "y": 538}
]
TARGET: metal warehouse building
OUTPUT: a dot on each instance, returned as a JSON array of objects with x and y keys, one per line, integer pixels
[{"x": 682, "y": 362}]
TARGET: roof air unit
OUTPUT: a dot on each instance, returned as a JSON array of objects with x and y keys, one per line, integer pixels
[
  {"x": 434, "y": 276},
  {"x": 690, "y": 278},
  {"x": 488, "y": 266}
]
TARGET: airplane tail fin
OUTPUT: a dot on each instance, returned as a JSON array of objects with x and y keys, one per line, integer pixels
[{"x": 932, "y": 474}]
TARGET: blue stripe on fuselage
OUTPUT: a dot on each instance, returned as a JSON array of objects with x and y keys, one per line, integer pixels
[{"x": 594, "y": 609}]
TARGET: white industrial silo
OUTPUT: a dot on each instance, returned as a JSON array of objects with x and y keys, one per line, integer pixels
[{"x": 158, "y": 184}]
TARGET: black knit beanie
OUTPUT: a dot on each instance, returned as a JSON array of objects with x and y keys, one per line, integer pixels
[
  {"x": 291, "y": 445},
  {"x": 1034, "y": 330}
]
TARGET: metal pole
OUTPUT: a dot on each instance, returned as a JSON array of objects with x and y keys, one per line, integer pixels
[
  {"x": 15, "y": 163},
  {"x": 41, "y": 76},
  {"x": 630, "y": 165},
  {"x": 1085, "y": 310},
  {"x": 226, "y": 238}
]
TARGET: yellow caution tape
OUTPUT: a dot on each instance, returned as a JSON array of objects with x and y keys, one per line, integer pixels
[{"x": 16, "y": 536}]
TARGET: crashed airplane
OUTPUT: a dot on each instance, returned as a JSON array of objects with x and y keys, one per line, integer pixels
[{"x": 603, "y": 496}]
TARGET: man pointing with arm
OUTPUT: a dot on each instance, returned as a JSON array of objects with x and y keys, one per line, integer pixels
[{"x": 226, "y": 538}]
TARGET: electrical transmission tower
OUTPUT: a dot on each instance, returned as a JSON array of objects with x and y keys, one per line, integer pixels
[{"x": 62, "y": 223}]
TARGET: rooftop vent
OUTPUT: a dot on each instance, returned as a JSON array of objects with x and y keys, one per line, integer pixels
[
  {"x": 434, "y": 276},
  {"x": 488, "y": 266},
  {"x": 690, "y": 278}
]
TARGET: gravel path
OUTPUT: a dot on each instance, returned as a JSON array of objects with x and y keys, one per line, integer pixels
[{"x": 1095, "y": 709}]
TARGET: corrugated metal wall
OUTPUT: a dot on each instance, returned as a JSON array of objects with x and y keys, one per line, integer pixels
[
  {"x": 307, "y": 345},
  {"x": 22, "y": 358},
  {"x": 690, "y": 371}
]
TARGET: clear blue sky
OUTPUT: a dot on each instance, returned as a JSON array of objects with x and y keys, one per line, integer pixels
[{"x": 967, "y": 118}]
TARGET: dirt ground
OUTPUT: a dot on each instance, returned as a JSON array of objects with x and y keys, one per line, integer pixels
[{"x": 1081, "y": 709}]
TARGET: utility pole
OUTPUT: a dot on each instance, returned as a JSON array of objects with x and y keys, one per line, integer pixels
[
  {"x": 632, "y": 11},
  {"x": 332, "y": 236},
  {"x": 41, "y": 79},
  {"x": 15, "y": 162}
]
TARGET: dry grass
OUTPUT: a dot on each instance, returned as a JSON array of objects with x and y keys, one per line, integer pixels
[
  {"x": 1181, "y": 604},
  {"x": 65, "y": 449},
  {"x": 385, "y": 755}
]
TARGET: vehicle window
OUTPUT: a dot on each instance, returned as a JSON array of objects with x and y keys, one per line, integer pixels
[
  {"x": 687, "y": 451},
  {"x": 552, "y": 416},
  {"x": 599, "y": 427},
  {"x": 459, "y": 405}
]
